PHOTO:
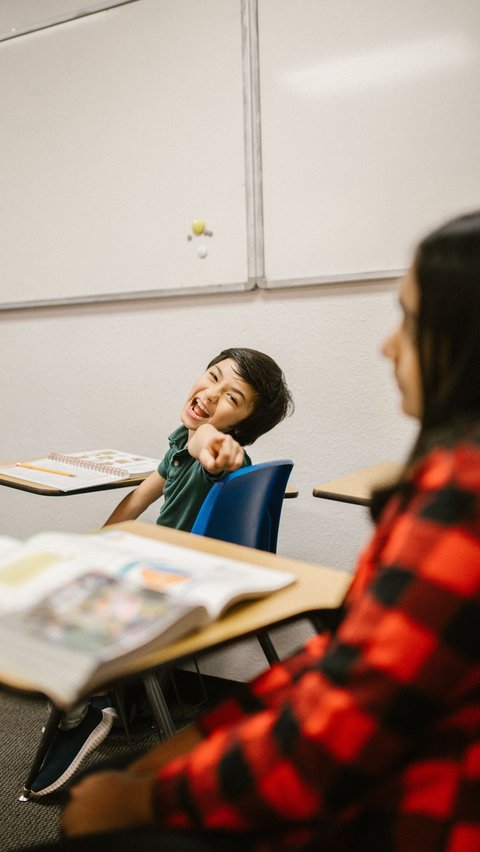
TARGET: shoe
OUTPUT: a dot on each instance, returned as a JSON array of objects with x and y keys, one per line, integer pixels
[{"x": 70, "y": 748}]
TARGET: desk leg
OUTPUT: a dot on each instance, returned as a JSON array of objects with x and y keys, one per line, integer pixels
[
  {"x": 47, "y": 737},
  {"x": 158, "y": 704},
  {"x": 268, "y": 647}
]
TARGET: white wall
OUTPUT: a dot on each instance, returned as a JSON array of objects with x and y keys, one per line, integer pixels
[{"x": 86, "y": 376}]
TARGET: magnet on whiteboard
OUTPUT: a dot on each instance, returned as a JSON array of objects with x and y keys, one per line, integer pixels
[
  {"x": 198, "y": 226},
  {"x": 202, "y": 251}
]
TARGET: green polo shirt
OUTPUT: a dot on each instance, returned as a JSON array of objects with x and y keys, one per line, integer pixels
[{"x": 187, "y": 483}]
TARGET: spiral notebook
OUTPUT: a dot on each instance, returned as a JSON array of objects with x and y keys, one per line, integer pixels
[{"x": 70, "y": 472}]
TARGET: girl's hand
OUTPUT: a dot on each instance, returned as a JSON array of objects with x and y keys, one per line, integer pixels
[{"x": 108, "y": 801}]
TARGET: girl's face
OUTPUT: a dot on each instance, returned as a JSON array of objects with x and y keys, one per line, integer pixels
[{"x": 401, "y": 348}]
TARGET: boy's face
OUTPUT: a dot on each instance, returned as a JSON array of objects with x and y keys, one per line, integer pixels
[{"x": 219, "y": 397}]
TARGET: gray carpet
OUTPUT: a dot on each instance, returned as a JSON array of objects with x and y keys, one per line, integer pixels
[{"x": 36, "y": 822}]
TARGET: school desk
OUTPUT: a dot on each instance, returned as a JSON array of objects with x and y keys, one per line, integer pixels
[
  {"x": 357, "y": 487},
  {"x": 316, "y": 590},
  {"x": 46, "y": 490}
]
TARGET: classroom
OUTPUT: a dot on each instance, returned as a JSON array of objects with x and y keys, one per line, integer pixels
[
  {"x": 108, "y": 316},
  {"x": 94, "y": 373},
  {"x": 113, "y": 373}
]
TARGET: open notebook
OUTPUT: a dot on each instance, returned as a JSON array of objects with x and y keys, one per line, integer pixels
[{"x": 69, "y": 472}]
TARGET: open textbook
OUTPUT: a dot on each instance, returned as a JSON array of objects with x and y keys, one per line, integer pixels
[
  {"x": 74, "y": 607},
  {"x": 73, "y": 471}
]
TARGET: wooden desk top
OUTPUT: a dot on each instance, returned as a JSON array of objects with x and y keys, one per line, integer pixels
[
  {"x": 357, "y": 487},
  {"x": 48, "y": 491},
  {"x": 316, "y": 588}
]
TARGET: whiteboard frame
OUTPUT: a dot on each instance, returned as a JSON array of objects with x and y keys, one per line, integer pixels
[
  {"x": 253, "y": 142},
  {"x": 130, "y": 296},
  {"x": 346, "y": 278},
  {"x": 55, "y": 20}
]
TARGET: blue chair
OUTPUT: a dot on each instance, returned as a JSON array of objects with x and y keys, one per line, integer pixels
[{"x": 245, "y": 506}]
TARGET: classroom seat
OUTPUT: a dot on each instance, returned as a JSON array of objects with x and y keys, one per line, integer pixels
[{"x": 244, "y": 507}]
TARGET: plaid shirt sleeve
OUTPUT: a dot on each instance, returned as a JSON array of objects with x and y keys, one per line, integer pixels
[{"x": 314, "y": 735}]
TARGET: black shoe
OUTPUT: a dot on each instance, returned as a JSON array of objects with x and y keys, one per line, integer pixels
[{"x": 70, "y": 748}]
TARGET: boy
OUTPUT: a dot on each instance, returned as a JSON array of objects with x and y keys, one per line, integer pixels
[{"x": 241, "y": 395}]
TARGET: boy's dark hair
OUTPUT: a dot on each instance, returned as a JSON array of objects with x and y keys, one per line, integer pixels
[{"x": 273, "y": 399}]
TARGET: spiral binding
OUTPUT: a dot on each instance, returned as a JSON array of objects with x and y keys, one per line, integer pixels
[{"x": 99, "y": 467}]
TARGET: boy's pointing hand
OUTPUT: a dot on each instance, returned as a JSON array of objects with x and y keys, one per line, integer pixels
[
  {"x": 222, "y": 453},
  {"x": 216, "y": 451}
]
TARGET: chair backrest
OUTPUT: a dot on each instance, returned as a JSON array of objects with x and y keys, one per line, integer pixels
[{"x": 245, "y": 506}]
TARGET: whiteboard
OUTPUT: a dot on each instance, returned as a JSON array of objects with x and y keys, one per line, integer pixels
[
  {"x": 370, "y": 129},
  {"x": 119, "y": 130}
]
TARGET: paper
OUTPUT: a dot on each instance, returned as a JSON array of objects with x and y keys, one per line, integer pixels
[{"x": 81, "y": 470}]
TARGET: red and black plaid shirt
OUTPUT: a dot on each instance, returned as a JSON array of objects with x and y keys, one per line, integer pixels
[{"x": 369, "y": 740}]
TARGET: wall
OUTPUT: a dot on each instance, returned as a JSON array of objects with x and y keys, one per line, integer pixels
[{"x": 87, "y": 376}]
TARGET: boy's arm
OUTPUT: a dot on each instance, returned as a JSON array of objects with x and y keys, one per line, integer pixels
[
  {"x": 216, "y": 451},
  {"x": 137, "y": 501}
]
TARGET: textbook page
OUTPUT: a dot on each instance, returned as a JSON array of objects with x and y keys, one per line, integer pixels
[
  {"x": 32, "y": 569},
  {"x": 75, "y": 607},
  {"x": 214, "y": 581},
  {"x": 87, "y": 629}
]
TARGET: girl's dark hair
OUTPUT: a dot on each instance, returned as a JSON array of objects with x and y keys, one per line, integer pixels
[
  {"x": 273, "y": 399},
  {"x": 447, "y": 270}
]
